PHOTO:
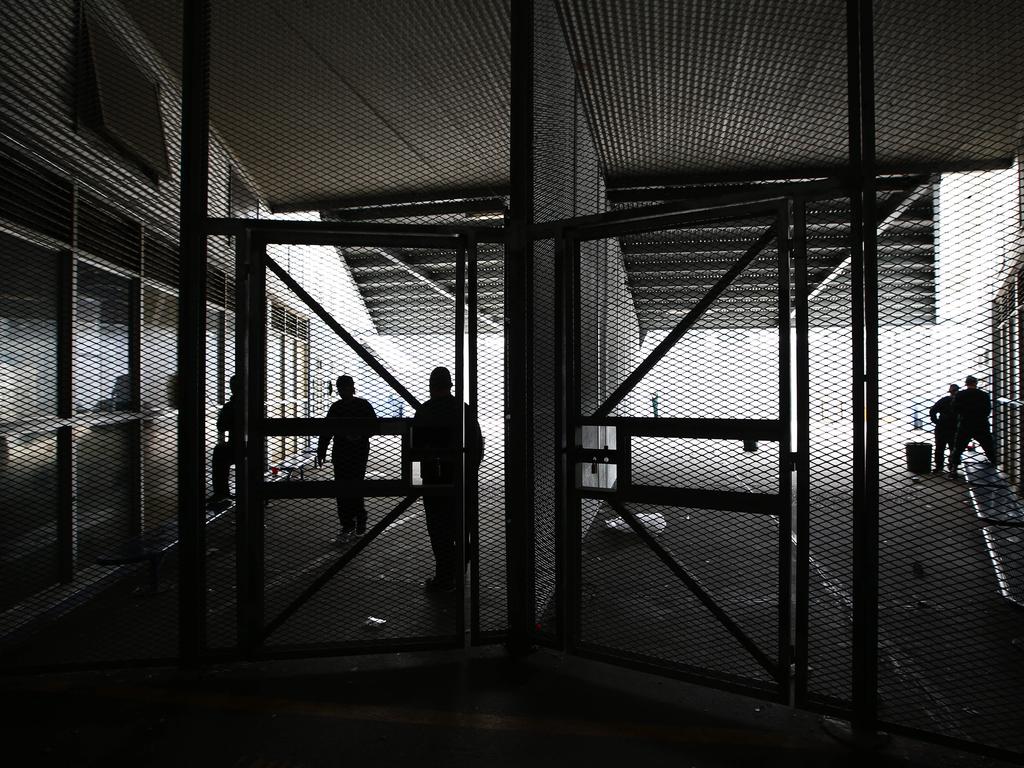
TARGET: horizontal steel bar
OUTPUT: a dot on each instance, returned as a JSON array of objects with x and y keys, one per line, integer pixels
[
  {"x": 646, "y": 220},
  {"x": 392, "y": 198},
  {"x": 474, "y": 205},
  {"x": 275, "y": 427},
  {"x": 839, "y": 172},
  {"x": 370, "y": 489},
  {"x": 357, "y": 239},
  {"x": 710, "y": 429}
]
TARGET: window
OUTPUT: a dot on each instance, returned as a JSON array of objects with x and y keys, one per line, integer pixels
[
  {"x": 104, "y": 398},
  {"x": 116, "y": 98},
  {"x": 28, "y": 407}
]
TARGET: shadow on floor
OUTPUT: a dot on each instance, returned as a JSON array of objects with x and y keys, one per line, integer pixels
[{"x": 450, "y": 709}]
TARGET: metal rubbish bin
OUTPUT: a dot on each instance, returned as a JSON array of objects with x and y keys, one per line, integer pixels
[{"x": 919, "y": 457}]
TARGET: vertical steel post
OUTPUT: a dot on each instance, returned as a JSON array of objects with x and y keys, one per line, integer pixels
[
  {"x": 255, "y": 439},
  {"x": 573, "y": 526},
  {"x": 243, "y": 594},
  {"x": 865, "y": 366},
  {"x": 803, "y": 460},
  {"x": 784, "y": 637},
  {"x": 473, "y": 473},
  {"x": 519, "y": 500},
  {"x": 459, "y": 488},
  {"x": 135, "y": 375},
  {"x": 561, "y": 349},
  {"x": 192, "y": 329}
]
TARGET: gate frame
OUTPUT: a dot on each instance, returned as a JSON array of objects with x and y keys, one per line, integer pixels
[
  {"x": 567, "y": 281},
  {"x": 252, "y": 237}
]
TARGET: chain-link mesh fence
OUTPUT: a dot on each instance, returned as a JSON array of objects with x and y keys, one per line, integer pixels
[
  {"x": 948, "y": 244},
  {"x": 392, "y": 114}
]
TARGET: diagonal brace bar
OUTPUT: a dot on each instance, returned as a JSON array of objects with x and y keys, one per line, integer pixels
[
  {"x": 335, "y": 569},
  {"x": 686, "y": 323},
  {"x": 698, "y": 591},
  {"x": 347, "y": 337}
]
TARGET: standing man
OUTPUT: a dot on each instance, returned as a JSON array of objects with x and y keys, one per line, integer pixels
[
  {"x": 972, "y": 409},
  {"x": 224, "y": 452},
  {"x": 434, "y": 438},
  {"x": 943, "y": 416},
  {"x": 349, "y": 456}
]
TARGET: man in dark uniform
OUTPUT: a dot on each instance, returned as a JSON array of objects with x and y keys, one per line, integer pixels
[
  {"x": 434, "y": 436},
  {"x": 349, "y": 455},
  {"x": 943, "y": 416},
  {"x": 972, "y": 409},
  {"x": 224, "y": 451}
]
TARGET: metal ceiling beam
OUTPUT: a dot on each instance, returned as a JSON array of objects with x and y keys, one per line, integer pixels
[
  {"x": 422, "y": 276},
  {"x": 434, "y": 195},
  {"x": 813, "y": 188},
  {"x": 888, "y": 215},
  {"x": 486, "y": 205},
  {"x": 830, "y": 173}
]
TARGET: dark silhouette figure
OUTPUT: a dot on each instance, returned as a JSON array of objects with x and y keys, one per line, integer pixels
[
  {"x": 224, "y": 451},
  {"x": 349, "y": 455},
  {"x": 120, "y": 395},
  {"x": 943, "y": 416},
  {"x": 973, "y": 407},
  {"x": 434, "y": 437}
]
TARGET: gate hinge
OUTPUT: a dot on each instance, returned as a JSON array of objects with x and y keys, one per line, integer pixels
[{"x": 794, "y": 458}]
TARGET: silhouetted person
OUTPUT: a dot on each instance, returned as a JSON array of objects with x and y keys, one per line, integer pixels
[
  {"x": 972, "y": 409},
  {"x": 120, "y": 395},
  {"x": 943, "y": 416},
  {"x": 434, "y": 437},
  {"x": 349, "y": 455},
  {"x": 224, "y": 451}
]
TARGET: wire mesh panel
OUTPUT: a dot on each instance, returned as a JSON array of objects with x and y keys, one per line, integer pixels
[
  {"x": 567, "y": 182},
  {"x": 948, "y": 662},
  {"x": 637, "y": 607},
  {"x": 89, "y": 445},
  {"x": 398, "y": 308},
  {"x": 830, "y": 430},
  {"x": 31, "y": 560},
  {"x": 486, "y": 503},
  {"x": 682, "y": 383}
]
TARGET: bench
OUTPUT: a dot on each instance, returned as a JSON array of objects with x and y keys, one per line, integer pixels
[
  {"x": 151, "y": 547},
  {"x": 297, "y": 463},
  {"x": 1002, "y": 515}
]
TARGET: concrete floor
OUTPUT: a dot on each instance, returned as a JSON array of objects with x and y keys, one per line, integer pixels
[
  {"x": 946, "y": 662},
  {"x": 451, "y": 709}
]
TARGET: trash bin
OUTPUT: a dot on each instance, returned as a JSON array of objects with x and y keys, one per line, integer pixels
[{"x": 919, "y": 457}]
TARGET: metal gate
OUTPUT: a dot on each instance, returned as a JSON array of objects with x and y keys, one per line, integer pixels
[
  {"x": 305, "y": 589},
  {"x": 678, "y": 459}
]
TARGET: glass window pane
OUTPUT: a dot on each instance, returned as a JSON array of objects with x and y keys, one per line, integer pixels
[
  {"x": 28, "y": 406},
  {"x": 106, "y": 432},
  {"x": 159, "y": 351}
]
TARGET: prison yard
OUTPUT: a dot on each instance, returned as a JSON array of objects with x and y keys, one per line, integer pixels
[{"x": 653, "y": 352}]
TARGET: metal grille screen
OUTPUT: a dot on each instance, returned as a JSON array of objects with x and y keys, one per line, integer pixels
[{"x": 948, "y": 547}]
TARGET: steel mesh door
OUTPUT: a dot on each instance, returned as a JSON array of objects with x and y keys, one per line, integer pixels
[
  {"x": 679, "y": 459},
  {"x": 315, "y": 589}
]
